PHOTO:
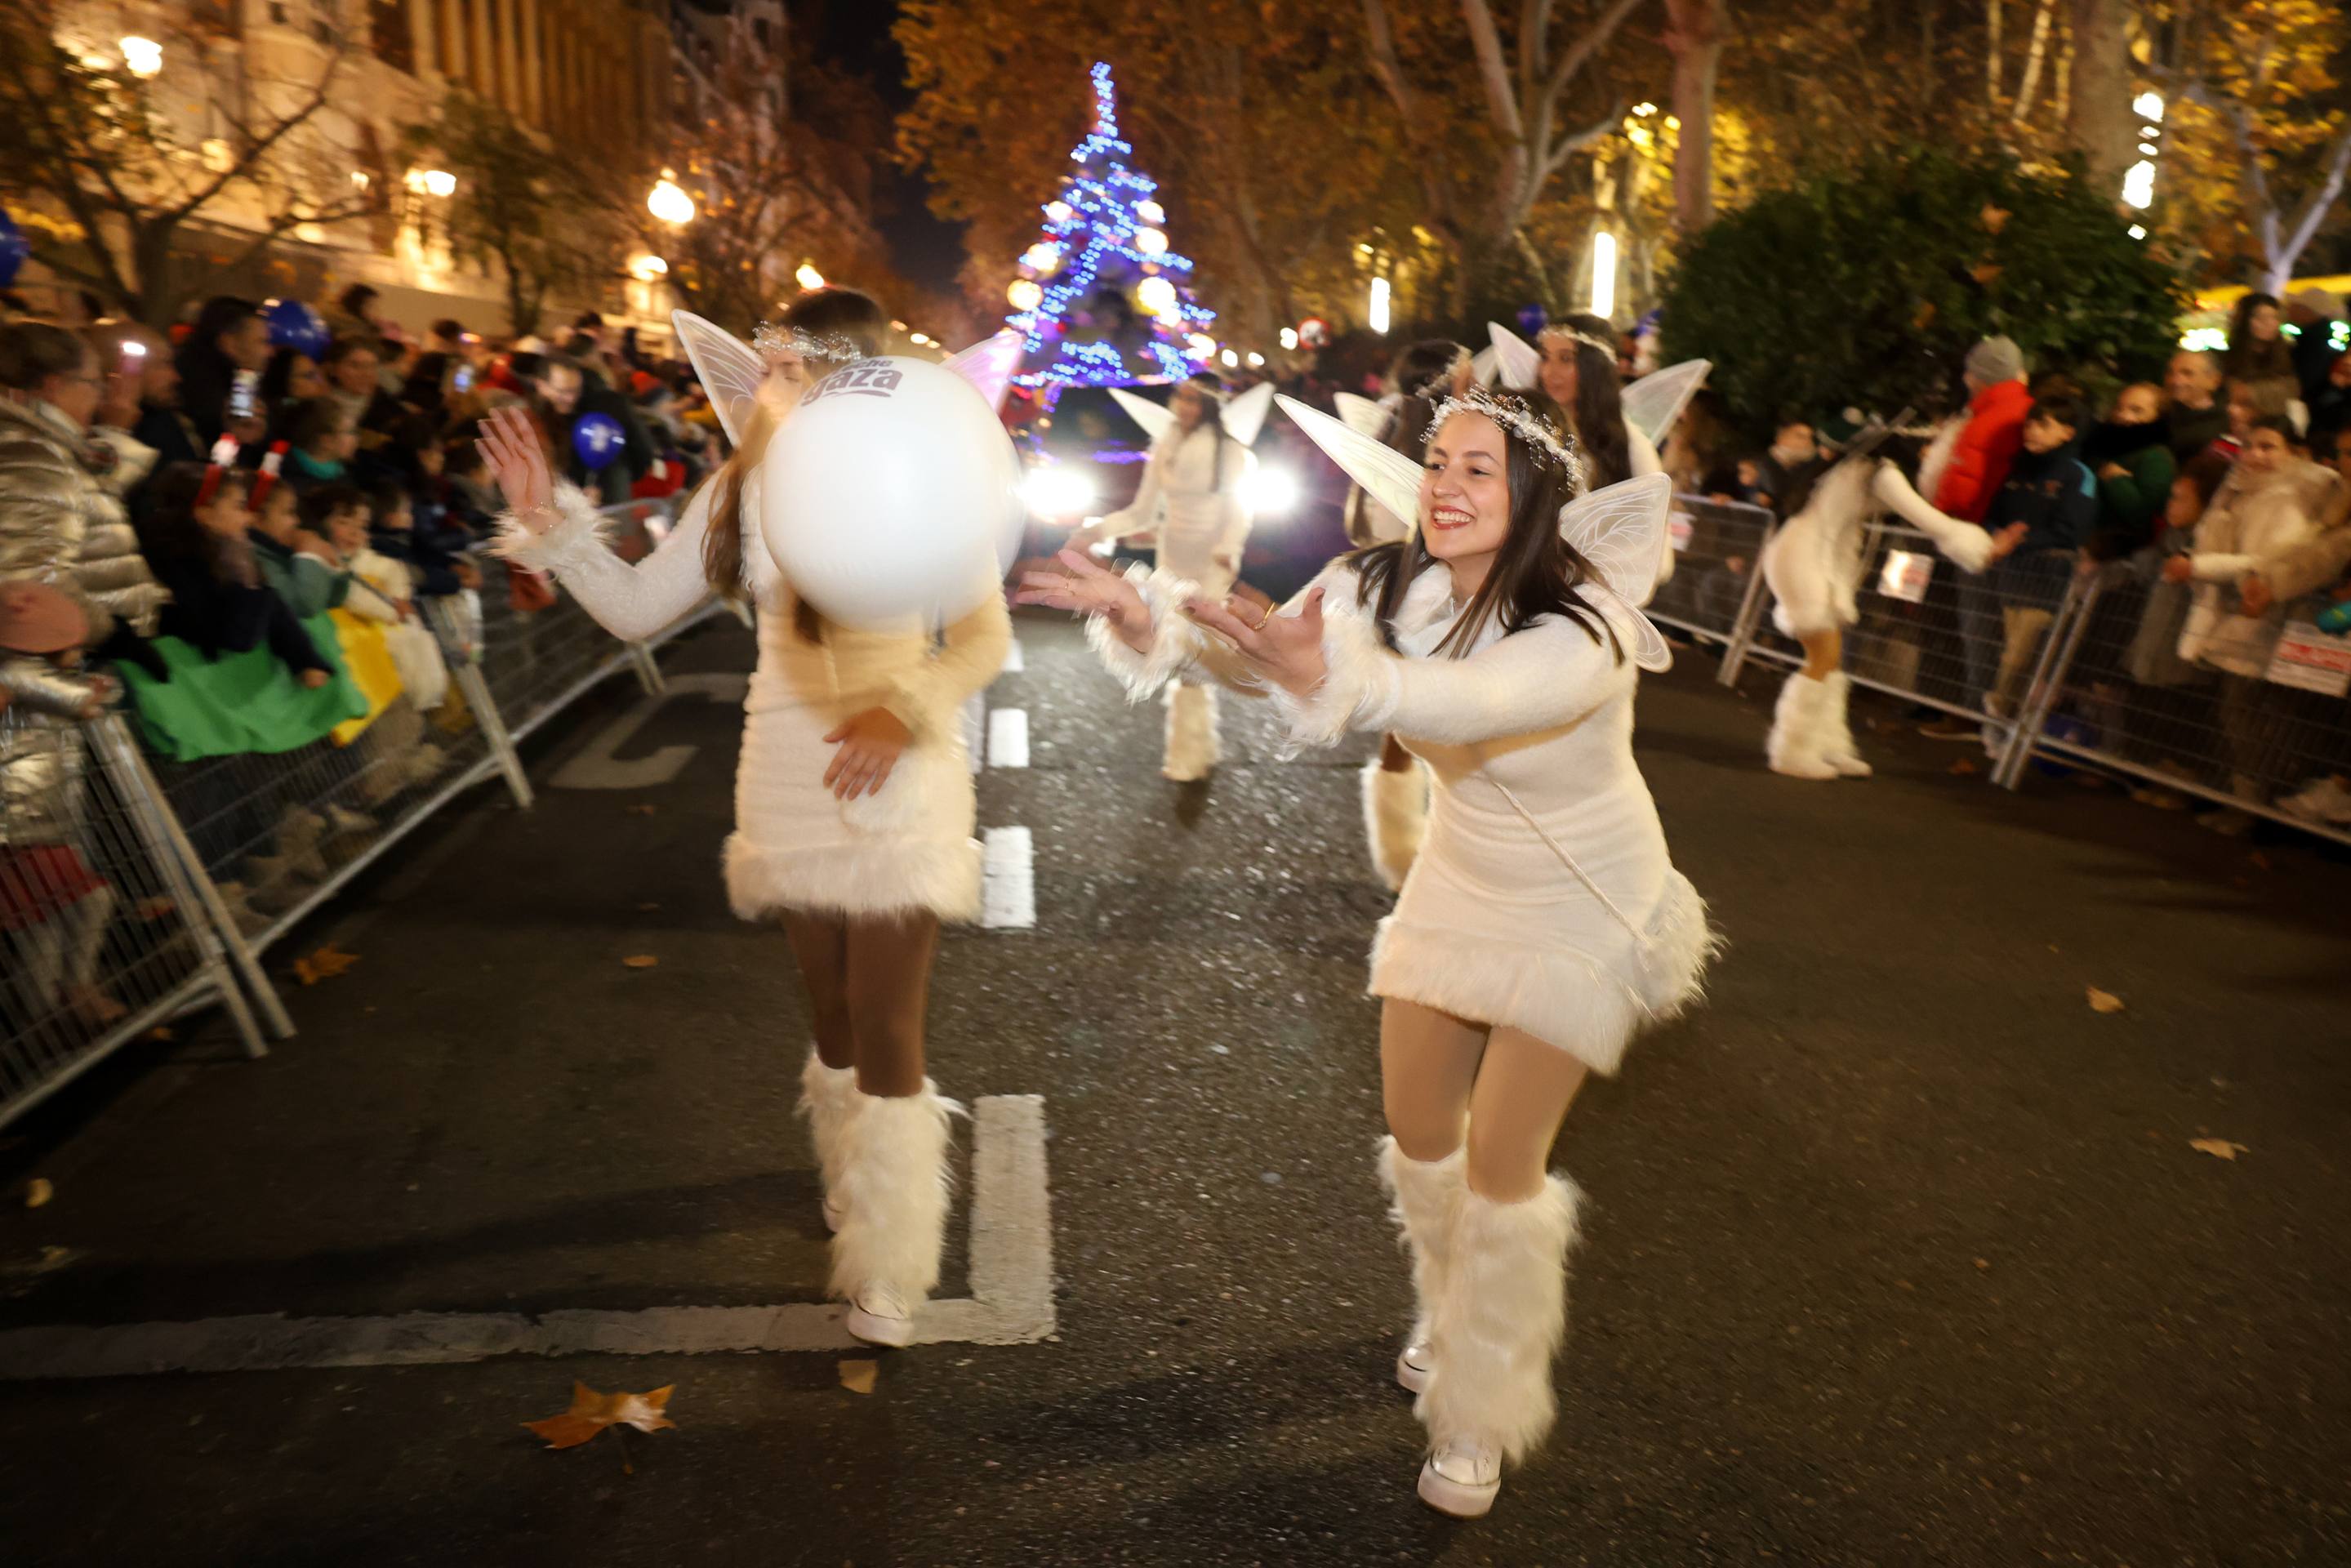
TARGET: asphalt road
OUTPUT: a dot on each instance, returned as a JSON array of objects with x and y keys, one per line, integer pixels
[{"x": 1898, "y": 1253}]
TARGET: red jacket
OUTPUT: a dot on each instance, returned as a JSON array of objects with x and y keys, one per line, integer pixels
[{"x": 1995, "y": 429}]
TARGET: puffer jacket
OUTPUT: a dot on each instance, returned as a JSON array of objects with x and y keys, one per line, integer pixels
[
  {"x": 48, "y": 501},
  {"x": 2256, "y": 522},
  {"x": 110, "y": 570}
]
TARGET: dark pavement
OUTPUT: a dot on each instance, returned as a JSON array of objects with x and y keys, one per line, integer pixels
[{"x": 1898, "y": 1253}]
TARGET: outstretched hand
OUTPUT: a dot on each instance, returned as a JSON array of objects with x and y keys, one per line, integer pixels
[
  {"x": 1286, "y": 649},
  {"x": 510, "y": 446},
  {"x": 1083, "y": 588}
]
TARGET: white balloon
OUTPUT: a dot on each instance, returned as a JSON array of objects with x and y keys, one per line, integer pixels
[{"x": 891, "y": 492}]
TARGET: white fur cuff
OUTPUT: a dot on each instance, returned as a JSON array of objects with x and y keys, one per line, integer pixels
[
  {"x": 1175, "y": 641},
  {"x": 577, "y": 533},
  {"x": 1358, "y": 692}
]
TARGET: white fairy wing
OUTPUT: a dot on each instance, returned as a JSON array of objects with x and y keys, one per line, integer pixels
[
  {"x": 1361, "y": 414},
  {"x": 1244, "y": 416},
  {"x": 1387, "y": 476},
  {"x": 1621, "y": 531},
  {"x": 1658, "y": 399},
  {"x": 1649, "y": 648},
  {"x": 1485, "y": 365},
  {"x": 1157, "y": 419},
  {"x": 730, "y": 369},
  {"x": 1517, "y": 362},
  {"x": 988, "y": 364}
]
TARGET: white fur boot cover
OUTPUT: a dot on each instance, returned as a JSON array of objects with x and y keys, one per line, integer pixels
[
  {"x": 1796, "y": 745},
  {"x": 1192, "y": 748},
  {"x": 1501, "y": 1318},
  {"x": 1395, "y": 818},
  {"x": 1836, "y": 730},
  {"x": 894, "y": 1190},
  {"x": 829, "y": 1098},
  {"x": 1425, "y": 1201}
]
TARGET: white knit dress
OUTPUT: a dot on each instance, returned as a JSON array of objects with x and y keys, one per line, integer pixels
[
  {"x": 1196, "y": 506},
  {"x": 1529, "y": 741},
  {"x": 796, "y": 846}
]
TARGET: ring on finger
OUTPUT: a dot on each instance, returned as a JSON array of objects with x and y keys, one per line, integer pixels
[{"x": 1264, "y": 618}]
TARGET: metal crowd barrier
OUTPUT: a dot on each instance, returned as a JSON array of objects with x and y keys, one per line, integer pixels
[
  {"x": 2080, "y": 667},
  {"x": 134, "y": 891}
]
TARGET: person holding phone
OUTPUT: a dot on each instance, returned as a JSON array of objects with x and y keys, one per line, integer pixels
[{"x": 230, "y": 336}]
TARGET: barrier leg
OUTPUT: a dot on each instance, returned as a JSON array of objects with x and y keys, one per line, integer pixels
[
  {"x": 2058, "y": 646},
  {"x": 648, "y": 670},
  {"x": 1751, "y": 616},
  {"x": 216, "y": 932}
]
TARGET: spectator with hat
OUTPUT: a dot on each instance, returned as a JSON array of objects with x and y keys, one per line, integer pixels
[{"x": 1998, "y": 402}]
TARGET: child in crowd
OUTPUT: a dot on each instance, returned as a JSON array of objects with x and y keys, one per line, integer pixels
[
  {"x": 322, "y": 438},
  {"x": 199, "y": 541},
  {"x": 2269, "y": 509},
  {"x": 2040, "y": 519},
  {"x": 387, "y": 595},
  {"x": 435, "y": 560},
  {"x": 295, "y": 560}
]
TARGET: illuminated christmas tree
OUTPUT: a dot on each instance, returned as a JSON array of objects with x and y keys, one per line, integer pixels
[{"x": 1101, "y": 298}]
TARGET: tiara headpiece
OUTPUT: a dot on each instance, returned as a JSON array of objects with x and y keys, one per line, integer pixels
[
  {"x": 772, "y": 342},
  {"x": 1586, "y": 338},
  {"x": 1537, "y": 433}
]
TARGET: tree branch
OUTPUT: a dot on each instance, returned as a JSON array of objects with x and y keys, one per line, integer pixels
[
  {"x": 2314, "y": 207},
  {"x": 1501, "y": 103}
]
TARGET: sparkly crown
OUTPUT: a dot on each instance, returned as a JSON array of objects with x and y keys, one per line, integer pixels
[
  {"x": 771, "y": 342},
  {"x": 1548, "y": 449}
]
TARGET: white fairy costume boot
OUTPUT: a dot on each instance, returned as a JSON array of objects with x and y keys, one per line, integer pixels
[
  {"x": 1836, "y": 730},
  {"x": 1192, "y": 749},
  {"x": 1797, "y": 745},
  {"x": 829, "y": 1098},
  {"x": 1395, "y": 818},
  {"x": 1425, "y": 1201},
  {"x": 1501, "y": 1318},
  {"x": 893, "y": 1194}
]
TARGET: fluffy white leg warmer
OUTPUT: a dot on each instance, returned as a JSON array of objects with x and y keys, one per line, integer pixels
[
  {"x": 894, "y": 1189},
  {"x": 1501, "y": 1318},
  {"x": 828, "y": 1099},
  {"x": 1797, "y": 744},
  {"x": 1425, "y": 1200},
  {"x": 1192, "y": 749},
  {"x": 1395, "y": 818},
  {"x": 1836, "y": 730}
]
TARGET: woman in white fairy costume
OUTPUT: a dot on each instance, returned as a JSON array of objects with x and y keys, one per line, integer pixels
[
  {"x": 1543, "y": 926},
  {"x": 853, "y": 803}
]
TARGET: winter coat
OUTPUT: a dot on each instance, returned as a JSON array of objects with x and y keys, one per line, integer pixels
[
  {"x": 1988, "y": 444},
  {"x": 308, "y": 585},
  {"x": 2256, "y": 521},
  {"x": 206, "y": 378},
  {"x": 2317, "y": 564},
  {"x": 2054, "y": 495},
  {"x": 2130, "y": 504},
  {"x": 431, "y": 557},
  {"x": 109, "y": 568},
  {"x": 215, "y": 610}
]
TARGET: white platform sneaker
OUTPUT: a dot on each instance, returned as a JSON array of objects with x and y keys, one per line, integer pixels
[
  {"x": 878, "y": 1314},
  {"x": 1462, "y": 1478},
  {"x": 1415, "y": 1362}
]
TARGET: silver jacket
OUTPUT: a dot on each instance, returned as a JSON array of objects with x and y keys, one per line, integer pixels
[
  {"x": 49, "y": 502},
  {"x": 111, "y": 568}
]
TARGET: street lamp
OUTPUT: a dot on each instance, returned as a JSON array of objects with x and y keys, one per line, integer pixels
[
  {"x": 439, "y": 183},
  {"x": 142, "y": 57},
  {"x": 669, "y": 202},
  {"x": 1379, "y": 305},
  {"x": 1603, "y": 275}
]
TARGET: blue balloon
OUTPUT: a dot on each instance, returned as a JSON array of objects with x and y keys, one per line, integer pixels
[
  {"x": 14, "y": 248},
  {"x": 1533, "y": 318},
  {"x": 598, "y": 438},
  {"x": 293, "y": 325}
]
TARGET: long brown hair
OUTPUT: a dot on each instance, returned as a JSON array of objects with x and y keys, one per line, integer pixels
[
  {"x": 1599, "y": 413},
  {"x": 1536, "y": 572},
  {"x": 843, "y": 313}
]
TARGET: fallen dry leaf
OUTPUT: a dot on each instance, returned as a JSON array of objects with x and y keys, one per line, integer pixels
[
  {"x": 1966, "y": 768},
  {"x": 857, "y": 1376},
  {"x": 591, "y": 1411},
  {"x": 642, "y": 810},
  {"x": 642, "y": 961},
  {"x": 1983, "y": 1263},
  {"x": 1994, "y": 218},
  {"x": 324, "y": 965},
  {"x": 38, "y": 1192},
  {"x": 647, "y": 908},
  {"x": 1924, "y": 319},
  {"x": 2219, "y": 1148},
  {"x": 2104, "y": 1001},
  {"x": 1988, "y": 273}
]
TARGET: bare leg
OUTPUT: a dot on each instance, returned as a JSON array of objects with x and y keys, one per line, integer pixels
[
  {"x": 1824, "y": 653},
  {"x": 1429, "y": 1062},
  {"x": 888, "y": 991},
  {"x": 1524, "y": 1088},
  {"x": 820, "y": 944}
]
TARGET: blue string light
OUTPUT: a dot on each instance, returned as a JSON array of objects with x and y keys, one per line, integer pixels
[{"x": 1096, "y": 243}]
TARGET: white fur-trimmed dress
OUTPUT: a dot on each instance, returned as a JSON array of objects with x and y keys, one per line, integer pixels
[
  {"x": 795, "y": 844},
  {"x": 1492, "y": 924}
]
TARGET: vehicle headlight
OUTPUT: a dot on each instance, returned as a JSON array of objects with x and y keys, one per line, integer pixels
[
  {"x": 1056, "y": 492},
  {"x": 1272, "y": 492}
]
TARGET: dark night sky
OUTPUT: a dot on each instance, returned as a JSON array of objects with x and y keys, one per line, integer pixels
[{"x": 856, "y": 33}]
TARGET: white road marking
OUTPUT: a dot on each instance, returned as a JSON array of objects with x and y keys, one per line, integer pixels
[
  {"x": 596, "y": 768},
  {"x": 1014, "y": 660},
  {"x": 1011, "y": 1302},
  {"x": 1007, "y": 737},
  {"x": 1009, "y": 881}
]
